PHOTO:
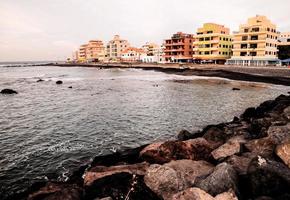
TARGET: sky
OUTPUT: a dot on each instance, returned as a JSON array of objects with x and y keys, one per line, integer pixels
[{"x": 40, "y": 30}]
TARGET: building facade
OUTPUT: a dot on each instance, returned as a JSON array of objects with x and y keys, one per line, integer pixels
[
  {"x": 153, "y": 53},
  {"x": 179, "y": 48},
  {"x": 115, "y": 47},
  {"x": 284, "y": 38},
  {"x": 132, "y": 54},
  {"x": 213, "y": 43},
  {"x": 95, "y": 51},
  {"x": 81, "y": 53},
  {"x": 256, "y": 43}
]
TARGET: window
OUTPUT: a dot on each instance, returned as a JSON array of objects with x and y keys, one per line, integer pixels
[
  {"x": 255, "y": 29},
  {"x": 253, "y": 46},
  {"x": 244, "y": 46},
  {"x": 243, "y": 53},
  {"x": 244, "y": 38},
  {"x": 246, "y": 30},
  {"x": 207, "y": 39},
  {"x": 253, "y": 53},
  {"x": 206, "y": 53},
  {"x": 254, "y": 37},
  {"x": 209, "y": 32}
]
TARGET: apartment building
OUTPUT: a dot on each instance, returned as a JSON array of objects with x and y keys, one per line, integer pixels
[
  {"x": 115, "y": 47},
  {"x": 213, "y": 44},
  {"x": 179, "y": 48},
  {"x": 153, "y": 53},
  {"x": 256, "y": 43},
  {"x": 95, "y": 51},
  {"x": 132, "y": 54},
  {"x": 81, "y": 55},
  {"x": 284, "y": 38}
]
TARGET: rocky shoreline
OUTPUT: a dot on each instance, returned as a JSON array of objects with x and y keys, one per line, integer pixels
[{"x": 247, "y": 158}]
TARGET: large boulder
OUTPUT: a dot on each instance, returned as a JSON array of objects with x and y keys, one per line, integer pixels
[
  {"x": 239, "y": 163},
  {"x": 58, "y": 191},
  {"x": 268, "y": 178},
  {"x": 233, "y": 146},
  {"x": 8, "y": 91},
  {"x": 195, "y": 149},
  {"x": 198, "y": 194},
  {"x": 175, "y": 176},
  {"x": 99, "y": 172},
  {"x": 283, "y": 151},
  {"x": 223, "y": 178}
]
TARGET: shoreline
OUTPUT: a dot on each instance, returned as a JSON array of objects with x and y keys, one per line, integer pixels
[
  {"x": 246, "y": 158},
  {"x": 277, "y": 76}
]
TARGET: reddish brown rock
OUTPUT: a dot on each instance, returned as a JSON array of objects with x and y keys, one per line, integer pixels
[
  {"x": 283, "y": 151},
  {"x": 228, "y": 149},
  {"x": 170, "y": 178},
  {"x": 195, "y": 149},
  {"x": 239, "y": 163},
  {"x": 99, "y": 172},
  {"x": 58, "y": 191}
]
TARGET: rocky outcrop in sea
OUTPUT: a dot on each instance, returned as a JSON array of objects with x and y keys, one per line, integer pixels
[{"x": 247, "y": 158}]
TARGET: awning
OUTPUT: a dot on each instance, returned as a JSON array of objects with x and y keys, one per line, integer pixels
[{"x": 286, "y": 60}]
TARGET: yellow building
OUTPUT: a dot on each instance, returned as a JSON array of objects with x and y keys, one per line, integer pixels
[
  {"x": 95, "y": 51},
  {"x": 213, "y": 43},
  {"x": 255, "y": 43},
  {"x": 82, "y": 53},
  {"x": 115, "y": 47},
  {"x": 284, "y": 39}
]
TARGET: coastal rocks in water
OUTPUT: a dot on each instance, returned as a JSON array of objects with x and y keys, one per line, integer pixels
[
  {"x": 268, "y": 178},
  {"x": 58, "y": 191},
  {"x": 223, "y": 178},
  {"x": 228, "y": 149},
  {"x": 198, "y": 194},
  {"x": 8, "y": 91},
  {"x": 195, "y": 149},
  {"x": 283, "y": 151},
  {"x": 170, "y": 178},
  {"x": 99, "y": 172},
  {"x": 59, "y": 82}
]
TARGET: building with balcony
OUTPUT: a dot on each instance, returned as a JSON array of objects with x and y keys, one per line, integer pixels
[
  {"x": 256, "y": 43},
  {"x": 81, "y": 53},
  {"x": 284, "y": 46},
  {"x": 115, "y": 47},
  {"x": 178, "y": 48},
  {"x": 132, "y": 54},
  {"x": 95, "y": 51},
  {"x": 213, "y": 44}
]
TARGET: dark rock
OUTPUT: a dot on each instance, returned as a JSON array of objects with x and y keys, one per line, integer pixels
[
  {"x": 214, "y": 134},
  {"x": 162, "y": 152},
  {"x": 39, "y": 80},
  {"x": 223, "y": 178},
  {"x": 268, "y": 178},
  {"x": 170, "y": 178},
  {"x": 236, "y": 89},
  {"x": 186, "y": 135},
  {"x": 119, "y": 186},
  {"x": 239, "y": 163},
  {"x": 58, "y": 191},
  {"x": 264, "y": 198},
  {"x": 70, "y": 87},
  {"x": 8, "y": 91},
  {"x": 249, "y": 113},
  {"x": 59, "y": 82}
]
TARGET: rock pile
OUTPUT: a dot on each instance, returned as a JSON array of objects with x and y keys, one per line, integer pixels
[{"x": 248, "y": 158}]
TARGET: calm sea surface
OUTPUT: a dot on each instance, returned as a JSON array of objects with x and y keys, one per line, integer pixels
[{"x": 49, "y": 130}]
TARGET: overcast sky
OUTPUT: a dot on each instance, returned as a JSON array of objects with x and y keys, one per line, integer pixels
[{"x": 52, "y": 29}]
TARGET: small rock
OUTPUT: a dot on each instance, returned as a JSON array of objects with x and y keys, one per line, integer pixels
[
  {"x": 39, "y": 80},
  {"x": 59, "y": 82},
  {"x": 236, "y": 89},
  {"x": 239, "y": 163},
  {"x": 70, "y": 87},
  {"x": 283, "y": 151},
  {"x": 223, "y": 178},
  {"x": 8, "y": 91},
  {"x": 170, "y": 178}
]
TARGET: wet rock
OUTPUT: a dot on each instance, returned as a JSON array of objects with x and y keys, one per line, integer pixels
[
  {"x": 278, "y": 134},
  {"x": 264, "y": 198},
  {"x": 39, "y": 80},
  {"x": 214, "y": 134},
  {"x": 8, "y": 91},
  {"x": 170, "y": 178},
  {"x": 249, "y": 113},
  {"x": 198, "y": 194},
  {"x": 195, "y": 149},
  {"x": 268, "y": 178},
  {"x": 287, "y": 112},
  {"x": 236, "y": 89},
  {"x": 70, "y": 87},
  {"x": 239, "y": 163},
  {"x": 99, "y": 172},
  {"x": 228, "y": 149},
  {"x": 283, "y": 151},
  {"x": 223, "y": 178},
  {"x": 263, "y": 147},
  {"x": 58, "y": 191},
  {"x": 59, "y": 82},
  {"x": 186, "y": 135}
]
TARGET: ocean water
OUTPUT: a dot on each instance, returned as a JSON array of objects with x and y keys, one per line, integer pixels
[{"x": 49, "y": 130}]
